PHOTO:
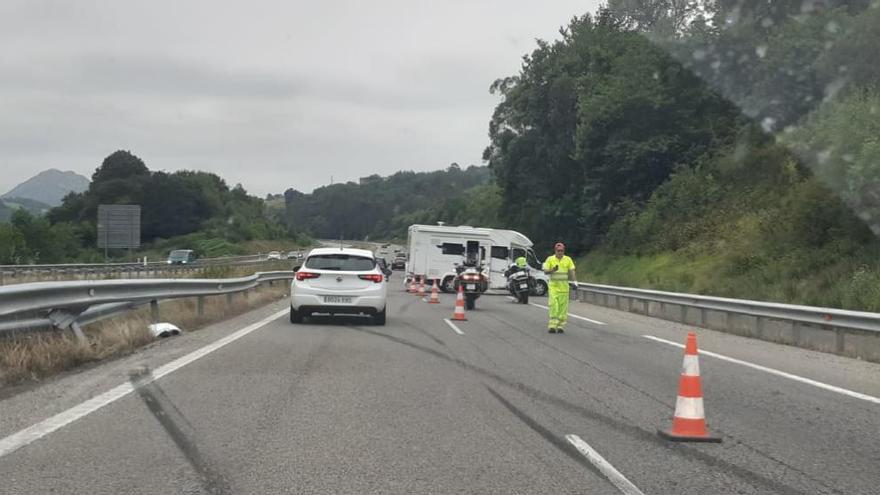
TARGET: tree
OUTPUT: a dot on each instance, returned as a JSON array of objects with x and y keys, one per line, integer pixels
[
  {"x": 601, "y": 117},
  {"x": 12, "y": 245},
  {"x": 120, "y": 165}
]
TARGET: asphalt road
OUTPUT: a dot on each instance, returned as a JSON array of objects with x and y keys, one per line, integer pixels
[{"x": 340, "y": 406}]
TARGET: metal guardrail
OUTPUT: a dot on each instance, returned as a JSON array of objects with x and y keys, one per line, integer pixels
[
  {"x": 9, "y": 273},
  {"x": 854, "y": 333},
  {"x": 114, "y": 266},
  {"x": 69, "y": 304},
  {"x": 803, "y": 314}
]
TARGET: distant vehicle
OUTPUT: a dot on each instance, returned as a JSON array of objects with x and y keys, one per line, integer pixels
[
  {"x": 433, "y": 251},
  {"x": 339, "y": 281},
  {"x": 399, "y": 263},
  {"x": 294, "y": 255},
  {"x": 181, "y": 257},
  {"x": 273, "y": 255}
]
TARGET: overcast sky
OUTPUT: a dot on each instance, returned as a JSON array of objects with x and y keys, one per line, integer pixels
[{"x": 270, "y": 94}]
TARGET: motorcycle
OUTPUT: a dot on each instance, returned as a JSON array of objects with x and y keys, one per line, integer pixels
[
  {"x": 470, "y": 276},
  {"x": 520, "y": 283}
]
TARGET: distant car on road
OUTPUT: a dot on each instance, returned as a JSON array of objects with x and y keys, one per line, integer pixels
[
  {"x": 339, "y": 281},
  {"x": 399, "y": 263},
  {"x": 294, "y": 255},
  {"x": 273, "y": 255},
  {"x": 181, "y": 257}
]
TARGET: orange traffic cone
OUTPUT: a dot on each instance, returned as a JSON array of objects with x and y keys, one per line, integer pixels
[
  {"x": 435, "y": 294},
  {"x": 422, "y": 286},
  {"x": 458, "y": 315},
  {"x": 689, "y": 420}
]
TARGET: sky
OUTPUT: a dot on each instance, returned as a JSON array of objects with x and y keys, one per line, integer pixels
[{"x": 269, "y": 94}]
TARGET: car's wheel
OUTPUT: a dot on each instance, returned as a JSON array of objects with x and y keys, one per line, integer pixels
[
  {"x": 541, "y": 288},
  {"x": 448, "y": 285},
  {"x": 295, "y": 316},
  {"x": 379, "y": 318},
  {"x": 470, "y": 301}
]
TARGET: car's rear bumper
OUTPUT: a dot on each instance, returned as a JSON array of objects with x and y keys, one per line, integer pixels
[
  {"x": 366, "y": 304},
  {"x": 338, "y": 310}
]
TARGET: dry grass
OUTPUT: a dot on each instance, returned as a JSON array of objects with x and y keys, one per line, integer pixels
[{"x": 31, "y": 358}]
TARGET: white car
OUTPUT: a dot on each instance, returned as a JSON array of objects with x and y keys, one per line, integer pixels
[
  {"x": 339, "y": 281},
  {"x": 273, "y": 255}
]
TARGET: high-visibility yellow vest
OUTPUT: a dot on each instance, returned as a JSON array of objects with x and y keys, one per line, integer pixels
[{"x": 559, "y": 278}]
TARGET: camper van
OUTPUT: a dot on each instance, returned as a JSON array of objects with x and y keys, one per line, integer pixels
[{"x": 433, "y": 251}]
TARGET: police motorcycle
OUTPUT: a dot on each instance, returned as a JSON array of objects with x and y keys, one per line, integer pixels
[
  {"x": 520, "y": 282},
  {"x": 469, "y": 274}
]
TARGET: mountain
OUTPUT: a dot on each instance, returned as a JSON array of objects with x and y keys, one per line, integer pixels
[{"x": 48, "y": 187}]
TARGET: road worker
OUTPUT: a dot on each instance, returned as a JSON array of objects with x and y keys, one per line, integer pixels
[{"x": 560, "y": 269}]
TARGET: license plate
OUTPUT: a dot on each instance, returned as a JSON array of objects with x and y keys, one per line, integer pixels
[
  {"x": 471, "y": 287},
  {"x": 523, "y": 286},
  {"x": 337, "y": 299}
]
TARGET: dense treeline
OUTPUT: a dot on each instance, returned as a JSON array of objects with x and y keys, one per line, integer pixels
[
  {"x": 718, "y": 147},
  {"x": 383, "y": 207},
  {"x": 172, "y": 205}
]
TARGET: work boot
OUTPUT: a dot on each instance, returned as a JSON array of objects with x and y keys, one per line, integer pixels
[
  {"x": 552, "y": 330},
  {"x": 560, "y": 330}
]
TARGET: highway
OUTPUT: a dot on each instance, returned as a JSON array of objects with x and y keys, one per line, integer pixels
[{"x": 491, "y": 405}]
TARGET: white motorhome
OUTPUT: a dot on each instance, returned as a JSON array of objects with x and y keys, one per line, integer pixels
[{"x": 433, "y": 250}]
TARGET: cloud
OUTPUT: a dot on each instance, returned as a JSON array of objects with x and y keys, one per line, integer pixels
[{"x": 269, "y": 94}]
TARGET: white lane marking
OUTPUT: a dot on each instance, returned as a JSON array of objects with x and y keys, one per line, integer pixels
[
  {"x": 772, "y": 371},
  {"x": 573, "y": 315},
  {"x": 624, "y": 485},
  {"x": 39, "y": 430},
  {"x": 449, "y": 322}
]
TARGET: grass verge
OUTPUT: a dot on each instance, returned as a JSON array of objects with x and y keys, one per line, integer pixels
[{"x": 32, "y": 358}]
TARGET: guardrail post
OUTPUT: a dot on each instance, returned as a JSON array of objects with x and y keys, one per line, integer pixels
[
  {"x": 154, "y": 310},
  {"x": 200, "y": 305},
  {"x": 77, "y": 331}
]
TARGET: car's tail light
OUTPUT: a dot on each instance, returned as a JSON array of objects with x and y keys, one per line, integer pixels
[
  {"x": 301, "y": 275},
  {"x": 375, "y": 277}
]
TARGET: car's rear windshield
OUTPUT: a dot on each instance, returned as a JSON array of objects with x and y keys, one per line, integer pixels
[
  {"x": 179, "y": 254},
  {"x": 340, "y": 262}
]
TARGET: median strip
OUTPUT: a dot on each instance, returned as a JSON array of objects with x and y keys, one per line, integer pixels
[
  {"x": 772, "y": 371},
  {"x": 624, "y": 485}
]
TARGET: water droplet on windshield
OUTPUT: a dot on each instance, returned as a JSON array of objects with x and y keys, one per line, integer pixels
[
  {"x": 834, "y": 87},
  {"x": 716, "y": 65},
  {"x": 848, "y": 157},
  {"x": 823, "y": 156},
  {"x": 761, "y": 50},
  {"x": 832, "y": 27},
  {"x": 768, "y": 124},
  {"x": 699, "y": 54},
  {"x": 766, "y": 22}
]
